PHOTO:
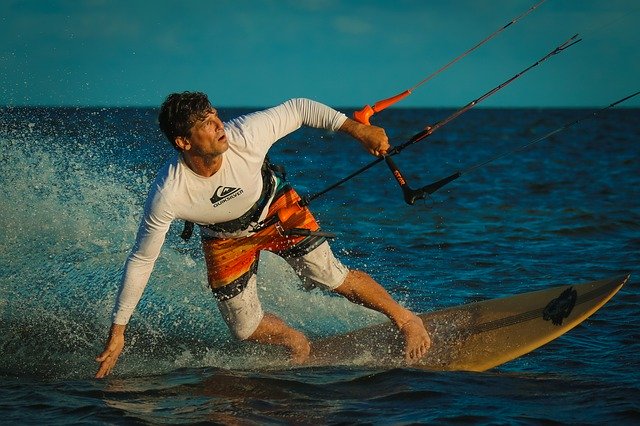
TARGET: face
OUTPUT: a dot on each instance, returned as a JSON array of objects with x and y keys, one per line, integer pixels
[{"x": 207, "y": 137}]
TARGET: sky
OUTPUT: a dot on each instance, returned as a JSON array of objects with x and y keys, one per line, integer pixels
[{"x": 254, "y": 53}]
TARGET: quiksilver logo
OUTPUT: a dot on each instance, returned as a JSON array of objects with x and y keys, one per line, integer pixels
[{"x": 223, "y": 194}]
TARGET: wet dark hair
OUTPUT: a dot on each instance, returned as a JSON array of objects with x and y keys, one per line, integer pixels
[{"x": 180, "y": 111}]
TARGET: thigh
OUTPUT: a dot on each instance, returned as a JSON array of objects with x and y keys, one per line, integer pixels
[
  {"x": 319, "y": 268},
  {"x": 243, "y": 312}
]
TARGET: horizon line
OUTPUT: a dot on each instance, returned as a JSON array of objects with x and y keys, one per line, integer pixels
[{"x": 354, "y": 108}]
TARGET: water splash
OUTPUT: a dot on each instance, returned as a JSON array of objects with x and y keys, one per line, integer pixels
[{"x": 72, "y": 199}]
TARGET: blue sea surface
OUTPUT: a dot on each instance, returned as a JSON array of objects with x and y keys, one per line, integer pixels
[{"x": 567, "y": 210}]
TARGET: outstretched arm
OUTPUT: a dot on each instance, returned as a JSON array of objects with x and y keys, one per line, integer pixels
[
  {"x": 275, "y": 123},
  {"x": 151, "y": 233},
  {"x": 373, "y": 138}
]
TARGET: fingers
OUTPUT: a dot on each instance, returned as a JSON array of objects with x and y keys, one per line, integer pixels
[
  {"x": 109, "y": 357},
  {"x": 375, "y": 140},
  {"x": 104, "y": 355},
  {"x": 382, "y": 143},
  {"x": 103, "y": 371},
  {"x": 107, "y": 361},
  {"x": 113, "y": 348},
  {"x": 379, "y": 151}
]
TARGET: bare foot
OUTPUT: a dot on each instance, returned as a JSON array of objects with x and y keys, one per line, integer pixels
[{"x": 416, "y": 339}]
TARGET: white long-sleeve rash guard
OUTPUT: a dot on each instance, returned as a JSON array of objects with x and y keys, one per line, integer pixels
[{"x": 179, "y": 193}]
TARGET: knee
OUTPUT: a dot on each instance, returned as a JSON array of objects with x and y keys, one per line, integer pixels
[
  {"x": 355, "y": 277},
  {"x": 352, "y": 281}
]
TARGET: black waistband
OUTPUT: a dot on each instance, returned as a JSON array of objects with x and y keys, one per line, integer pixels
[{"x": 236, "y": 287}]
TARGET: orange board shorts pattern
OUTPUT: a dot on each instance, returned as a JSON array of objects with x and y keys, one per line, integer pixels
[{"x": 232, "y": 261}]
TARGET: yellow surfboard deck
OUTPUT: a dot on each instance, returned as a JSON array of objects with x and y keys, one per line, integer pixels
[{"x": 476, "y": 336}]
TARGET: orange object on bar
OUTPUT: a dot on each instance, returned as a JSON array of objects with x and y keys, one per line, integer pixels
[{"x": 365, "y": 113}]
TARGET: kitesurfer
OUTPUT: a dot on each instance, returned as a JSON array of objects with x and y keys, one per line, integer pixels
[{"x": 220, "y": 179}]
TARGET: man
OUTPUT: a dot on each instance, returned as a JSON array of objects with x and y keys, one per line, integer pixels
[{"x": 221, "y": 181}]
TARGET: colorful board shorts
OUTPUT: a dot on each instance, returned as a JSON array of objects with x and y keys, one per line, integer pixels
[{"x": 232, "y": 263}]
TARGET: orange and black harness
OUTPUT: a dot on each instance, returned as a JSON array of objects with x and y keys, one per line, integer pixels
[{"x": 252, "y": 215}]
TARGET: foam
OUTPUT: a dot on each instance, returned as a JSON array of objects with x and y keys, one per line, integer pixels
[{"x": 69, "y": 214}]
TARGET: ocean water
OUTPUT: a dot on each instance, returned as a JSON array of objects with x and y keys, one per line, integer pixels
[{"x": 567, "y": 210}]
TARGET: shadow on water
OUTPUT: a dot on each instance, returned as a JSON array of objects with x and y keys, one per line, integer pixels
[{"x": 334, "y": 395}]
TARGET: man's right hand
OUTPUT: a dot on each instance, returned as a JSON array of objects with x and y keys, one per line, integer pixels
[
  {"x": 373, "y": 138},
  {"x": 112, "y": 350}
]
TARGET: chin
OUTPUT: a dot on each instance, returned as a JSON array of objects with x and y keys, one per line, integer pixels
[{"x": 222, "y": 148}]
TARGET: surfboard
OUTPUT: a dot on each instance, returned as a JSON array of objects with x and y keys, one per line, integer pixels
[{"x": 477, "y": 336}]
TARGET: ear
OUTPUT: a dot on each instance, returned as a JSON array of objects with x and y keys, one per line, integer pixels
[{"x": 183, "y": 143}]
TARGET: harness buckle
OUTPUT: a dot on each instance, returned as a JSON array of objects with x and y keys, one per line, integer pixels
[{"x": 281, "y": 231}]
